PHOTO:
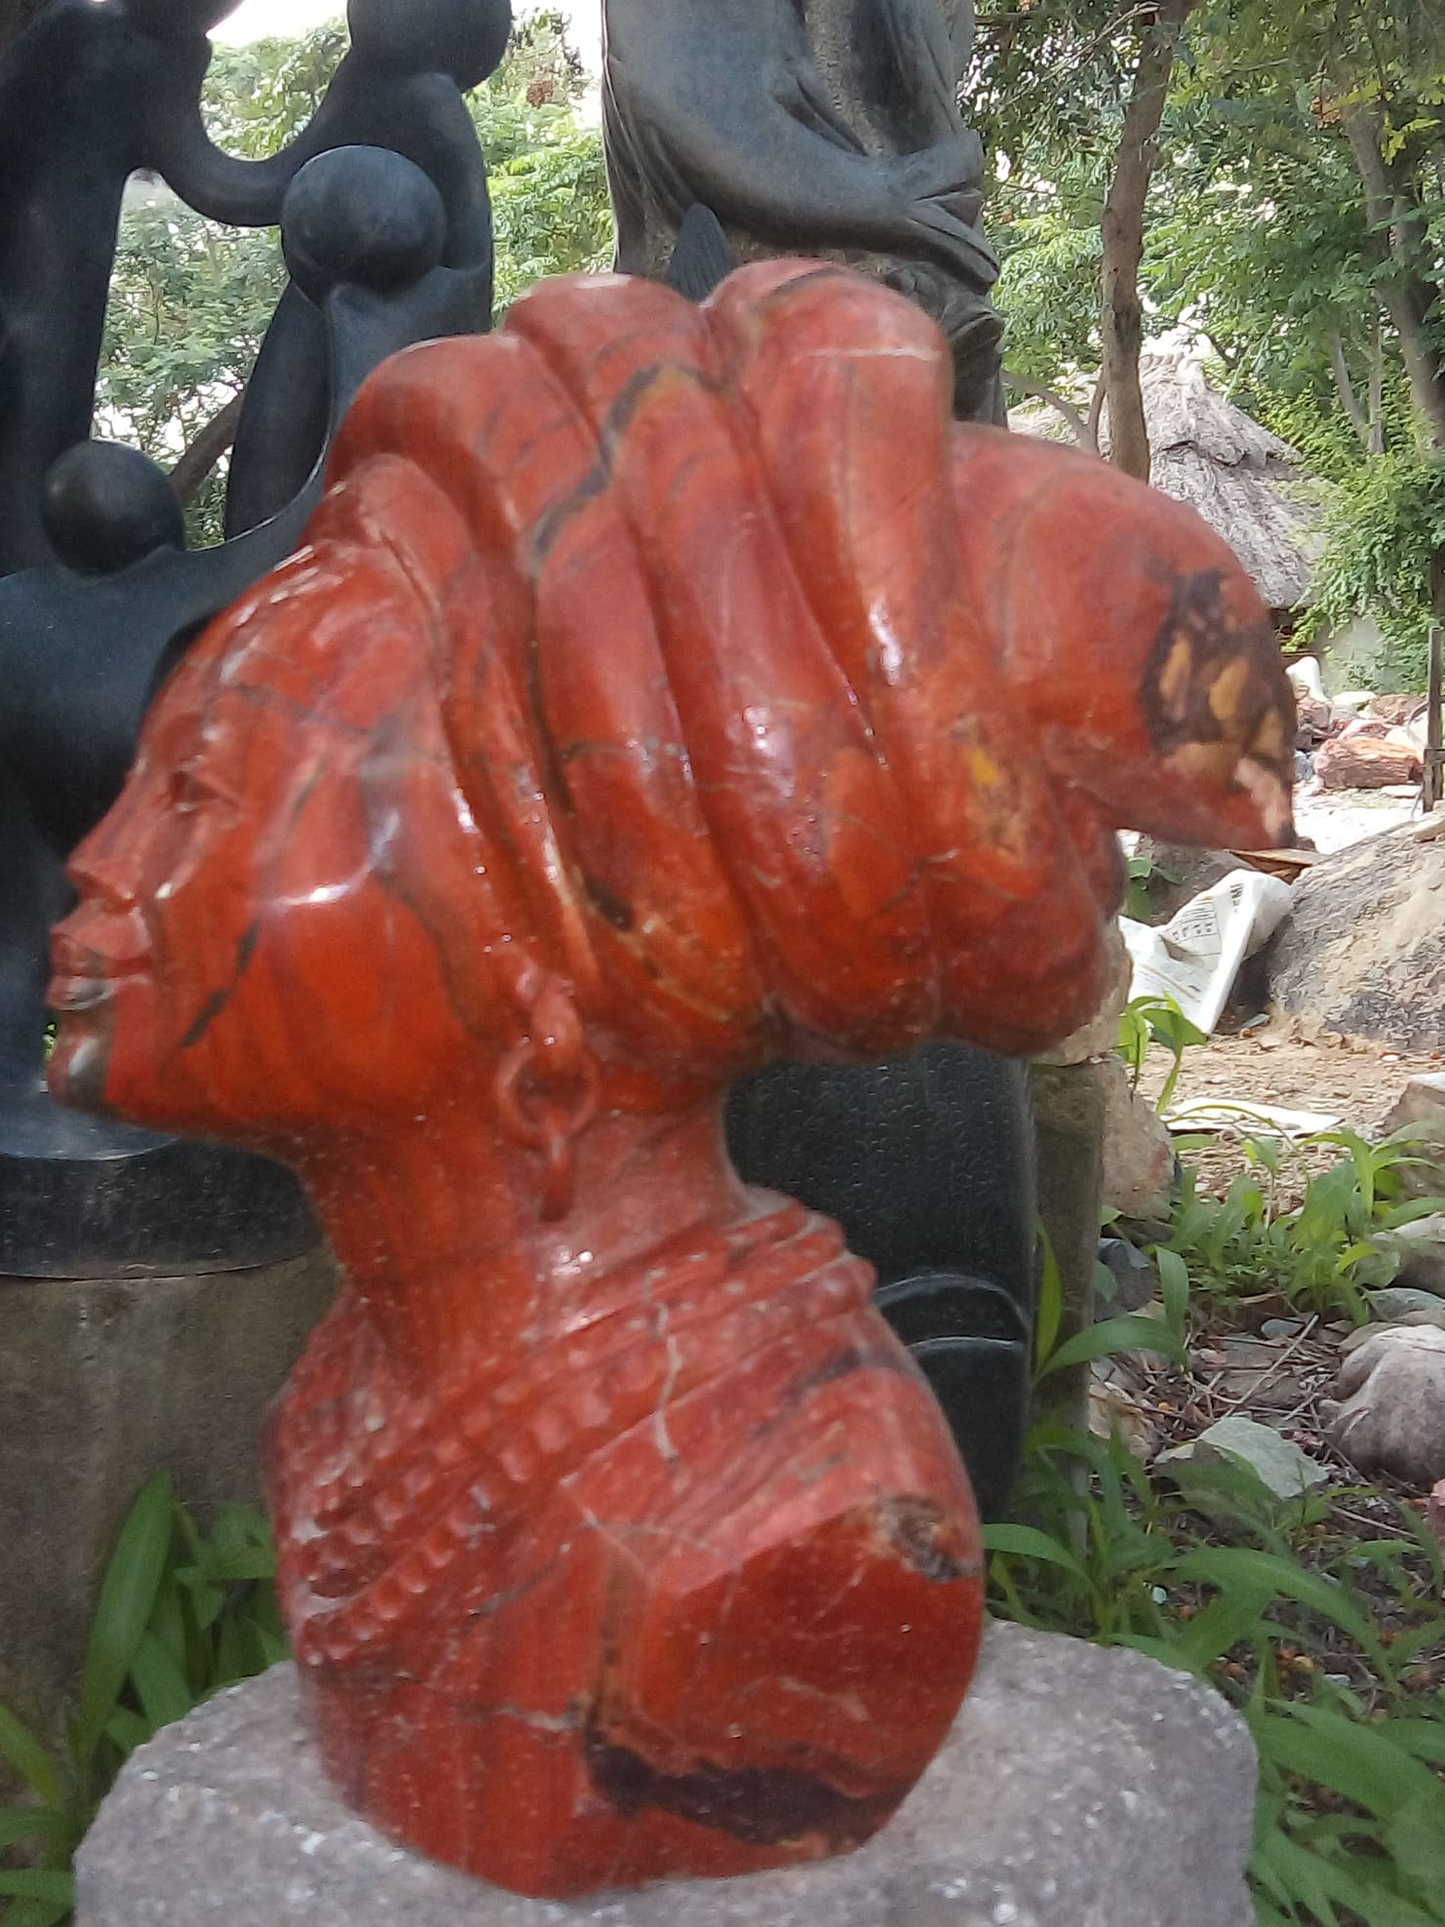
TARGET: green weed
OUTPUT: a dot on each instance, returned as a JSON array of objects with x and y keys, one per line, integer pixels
[
  {"x": 182, "y": 1612},
  {"x": 1141, "y": 892},
  {"x": 1156, "y": 1020},
  {"x": 1319, "y": 1254},
  {"x": 1323, "y": 1641}
]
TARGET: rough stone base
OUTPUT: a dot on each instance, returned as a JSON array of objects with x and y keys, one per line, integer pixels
[
  {"x": 1080, "y": 1788},
  {"x": 1069, "y": 1122},
  {"x": 102, "y": 1383}
]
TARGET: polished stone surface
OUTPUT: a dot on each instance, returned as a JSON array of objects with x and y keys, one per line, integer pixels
[
  {"x": 661, "y": 690},
  {"x": 1080, "y": 1788}
]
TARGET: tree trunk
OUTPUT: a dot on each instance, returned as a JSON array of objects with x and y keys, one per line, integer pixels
[
  {"x": 1134, "y": 164},
  {"x": 1376, "y": 443},
  {"x": 1409, "y": 290},
  {"x": 1345, "y": 389}
]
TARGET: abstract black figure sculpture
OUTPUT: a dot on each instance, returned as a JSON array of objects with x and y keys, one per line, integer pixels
[
  {"x": 827, "y": 126},
  {"x": 382, "y": 204},
  {"x": 90, "y": 93},
  {"x": 927, "y": 1162}
]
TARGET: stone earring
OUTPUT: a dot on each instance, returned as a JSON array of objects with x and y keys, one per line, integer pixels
[{"x": 547, "y": 1090}]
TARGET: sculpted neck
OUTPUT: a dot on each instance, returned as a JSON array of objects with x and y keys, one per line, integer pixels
[{"x": 438, "y": 1228}]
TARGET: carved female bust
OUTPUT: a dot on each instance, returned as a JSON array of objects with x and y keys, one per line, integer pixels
[{"x": 658, "y": 688}]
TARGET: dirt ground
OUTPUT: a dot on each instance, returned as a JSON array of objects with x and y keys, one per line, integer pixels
[
  {"x": 1349, "y": 1079},
  {"x": 1289, "y": 1063}
]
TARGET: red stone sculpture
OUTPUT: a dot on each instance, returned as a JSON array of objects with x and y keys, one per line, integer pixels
[{"x": 659, "y": 689}]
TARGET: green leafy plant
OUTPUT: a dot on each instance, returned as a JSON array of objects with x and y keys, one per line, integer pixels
[
  {"x": 1156, "y": 1020},
  {"x": 1106, "y": 1337},
  {"x": 182, "y": 1613},
  {"x": 1210, "y": 1573},
  {"x": 1321, "y": 1254},
  {"x": 1384, "y": 532},
  {"x": 1144, "y": 874}
]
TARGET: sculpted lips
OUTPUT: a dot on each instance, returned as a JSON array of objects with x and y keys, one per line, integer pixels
[{"x": 83, "y": 976}]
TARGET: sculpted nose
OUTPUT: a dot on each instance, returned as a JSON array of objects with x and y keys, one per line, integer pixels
[{"x": 104, "y": 872}]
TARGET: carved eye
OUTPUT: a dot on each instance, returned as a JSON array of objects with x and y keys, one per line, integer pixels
[{"x": 188, "y": 790}]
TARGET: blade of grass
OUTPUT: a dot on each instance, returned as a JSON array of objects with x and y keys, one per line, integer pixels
[
  {"x": 127, "y": 1597},
  {"x": 1229, "y": 1567},
  {"x": 29, "y": 1759},
  {"x": 1110, "y": 1338}
]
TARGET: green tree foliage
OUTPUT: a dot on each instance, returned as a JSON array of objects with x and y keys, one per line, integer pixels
[
  {"x": 191, "y": 300},
  {"x": 1295, "y": 226},
  {"x": 548, "y": 179},
  {"x": 1386, "y": 532}
]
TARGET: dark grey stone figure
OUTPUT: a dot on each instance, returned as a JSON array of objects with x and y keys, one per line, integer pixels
[
  {"x": 89, "y": 93},
  {"x": 382, "y": 204},
  {"x": 821, "y": 126}
]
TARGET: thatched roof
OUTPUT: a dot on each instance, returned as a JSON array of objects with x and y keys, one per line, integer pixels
[{"x": 1243, "y": 480}]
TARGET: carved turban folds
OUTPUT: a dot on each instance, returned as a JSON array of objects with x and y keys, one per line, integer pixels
[{"x": 788, "y": 713}]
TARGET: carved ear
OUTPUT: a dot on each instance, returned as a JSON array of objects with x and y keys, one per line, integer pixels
[{"x": 547, "y": 1090}]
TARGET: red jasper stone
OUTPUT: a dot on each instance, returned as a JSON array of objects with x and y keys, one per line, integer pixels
[{"x": 659, "y": 689}]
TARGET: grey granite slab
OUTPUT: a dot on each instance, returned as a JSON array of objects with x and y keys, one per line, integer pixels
[{"x": 1079, "y": 1788}]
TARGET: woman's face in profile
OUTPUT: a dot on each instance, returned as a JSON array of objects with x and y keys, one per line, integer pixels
[{"x": 245, "y": 959}]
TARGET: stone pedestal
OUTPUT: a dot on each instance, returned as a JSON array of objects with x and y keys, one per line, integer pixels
[
  {"x": 1080, "y": 1788},
  {"x": 1069, "y": 1115},
  {"x": 102, "y": 1383}
]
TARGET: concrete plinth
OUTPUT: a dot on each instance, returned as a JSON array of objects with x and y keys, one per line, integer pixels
[
  {"x": 1080, "y": 1788},
  {"x": 102, "y": 1383}
]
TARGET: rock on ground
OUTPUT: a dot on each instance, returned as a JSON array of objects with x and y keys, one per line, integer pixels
[
  {"x": 1392, "y": 1415},
  {"x": 1365, "y": 763},
  {"x": 1421, "y": 1106},
  {"x": 1404, "y": 1305},
  {"x": 1277, "y": 1462},
  {"x": 1420, "y": 1250},
  {"x": 1099, "y": 1036},
  {"x": 1363, "y": 949},
  {"x": 1138, "y": 1150},
  {"x": 1080, "y": 1788}
]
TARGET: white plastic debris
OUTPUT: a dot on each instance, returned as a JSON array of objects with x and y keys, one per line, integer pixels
[
  {"x": 1304, "y": 673},
  {"x": 1195, "y": 957}
]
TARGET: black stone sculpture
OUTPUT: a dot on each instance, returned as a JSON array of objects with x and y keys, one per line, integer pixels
[
  {"x": 89, "y": 93},
  {"x": 811, "y": 126},
  {"x": 927, "y": 1162},
  {"x": 382, "y": 204}
]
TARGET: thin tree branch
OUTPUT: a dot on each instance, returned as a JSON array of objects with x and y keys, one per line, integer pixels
[
  {"x": 1408, "y": 295},
  {"x": 190, "y": 472},
  {"x": 1345, "y": 388},
  {"x": 1122, "y": 318},
  {"x": 1376, "y": 443},
  {"x": 1085, "y": 435}
]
